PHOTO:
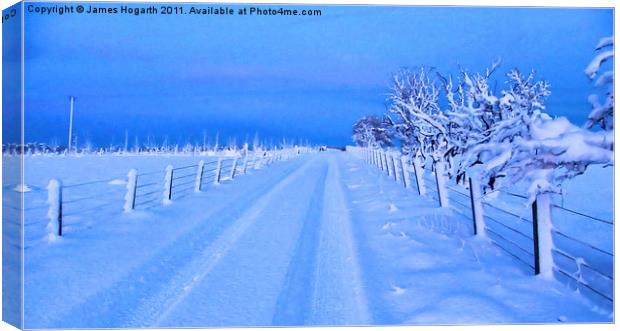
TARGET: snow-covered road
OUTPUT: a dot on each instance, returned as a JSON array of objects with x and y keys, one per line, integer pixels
[{"x": 322, "y": 239}]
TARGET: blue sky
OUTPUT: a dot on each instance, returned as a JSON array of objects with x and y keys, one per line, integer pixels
[{"x": 293, "y": 77}]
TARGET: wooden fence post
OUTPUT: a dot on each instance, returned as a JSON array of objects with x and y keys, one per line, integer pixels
[
  {"x": 395, "y": 167},
  {"x": 387, "y": 165},
  {"x": 254, "y": 164},
  {"x": 440, "y": 178},
  {"x": 218, "y": 171},
  {"x": 374, "y": 158},
  {"x": 543, "y": 240},
  {"x": 233, "y": 170},
  {"x": 168, "y": 185},
  {"x": 419, "y": 176},
  {"x": 404, "y": 165},
  {"x": 199, "y": 173},
  {"x": 245, "y": 161},
  {"x": 475, "y": 196},
  {"x": 130, "y": 195},
  {"x": 54, "y": 213}
]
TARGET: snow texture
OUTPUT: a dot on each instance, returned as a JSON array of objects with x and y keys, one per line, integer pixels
[{"x": 350, "y": 246}]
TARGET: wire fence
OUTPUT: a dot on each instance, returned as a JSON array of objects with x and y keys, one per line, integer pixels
[
  {"x": 581, "y": 257},
  {"x": 72, "y": 208}
]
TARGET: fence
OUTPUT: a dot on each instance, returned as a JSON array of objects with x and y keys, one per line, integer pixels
[
  {"x": 543, "y": 236},
  {"x": 149, "y": 189}
]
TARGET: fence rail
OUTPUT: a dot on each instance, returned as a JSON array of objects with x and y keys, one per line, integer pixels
[{"x": 520, "y": 236}]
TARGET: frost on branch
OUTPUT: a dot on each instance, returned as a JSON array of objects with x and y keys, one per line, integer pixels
[
  {"x": 506, "y": 122},
  {"x": 602, "y": 114},
  {"x": 554, "y": 150},
  {"x": 472, "y": 111},
  {"x": 420, "y": 124},
  {"x": 526, "y": 144}
]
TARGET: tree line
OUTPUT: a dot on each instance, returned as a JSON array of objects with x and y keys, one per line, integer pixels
[{"x": 501, "y": 137}]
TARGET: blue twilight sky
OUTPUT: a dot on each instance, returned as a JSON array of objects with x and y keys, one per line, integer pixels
[{"x": 295, "y": 77}]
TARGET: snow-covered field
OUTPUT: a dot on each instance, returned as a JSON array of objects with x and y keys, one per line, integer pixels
[{"x": 320, "y": 239}]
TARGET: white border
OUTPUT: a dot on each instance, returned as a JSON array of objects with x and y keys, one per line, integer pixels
[{"x": 490, "y": 3}]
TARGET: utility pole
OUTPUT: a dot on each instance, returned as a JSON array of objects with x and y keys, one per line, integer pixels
[{"x": 71, "y": 124}]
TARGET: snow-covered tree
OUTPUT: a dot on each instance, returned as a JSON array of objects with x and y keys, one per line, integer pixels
[
  {"x": 602, "y": 114},
  {"x": 472, "y": 109},
  {"x": 527, "y": 144},
  {"x": 372, "y": 131},
  {"x": 510, "y": 120},
  {"x": 420, "y": 124}
]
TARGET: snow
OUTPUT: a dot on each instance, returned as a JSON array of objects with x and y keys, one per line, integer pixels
[
  {"x": 21, "y": 188},
  {"x": 574, "y": 236},
  {"x": 604, "y": 42},
  {"x": 594, "y": 66},
  {"x": 308, "y": 241},
  {"x": 602, "y": 114}
]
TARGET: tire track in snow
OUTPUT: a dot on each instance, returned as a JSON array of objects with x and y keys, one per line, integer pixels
[
  {"x": 159, "y": 308},
  {"x": 134, "y": 292},
  {"x": 323, "y": 285},
  {"x": 338, "y": 297},
  {"x": 293, "y": 304}
]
